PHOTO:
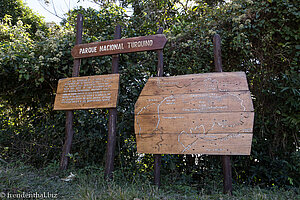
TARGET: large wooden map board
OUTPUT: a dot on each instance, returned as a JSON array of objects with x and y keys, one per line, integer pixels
[
  {"x": 208, "y": 113},
  {"x": 87, "y": 92}
]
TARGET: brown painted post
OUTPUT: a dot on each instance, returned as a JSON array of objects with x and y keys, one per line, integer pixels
[
  {"x": 160, "y": 64},
  {"x": 69, "y": 114},
  {"x": 217, "y": 53},
  {"x": 112, "y": 126},
  {"x": 227, "y": 173},
  {"x": 157, "y": 157}
]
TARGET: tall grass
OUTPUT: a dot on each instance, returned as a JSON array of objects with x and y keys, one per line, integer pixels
[{"x": 89, "y": 184}]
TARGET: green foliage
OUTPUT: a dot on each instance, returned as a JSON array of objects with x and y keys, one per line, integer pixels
[
  {"x": 105, "y": 20},
  {"x": 89, "y": 183},
  {"x": 258, "y": 37},
  {"x": 18, "y": 11}
]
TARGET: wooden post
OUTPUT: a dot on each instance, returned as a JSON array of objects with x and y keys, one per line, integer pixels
[
  {"x": 227, "y": 173},
  {"x": 157, "y": 157},
  {"x": 112, "y": 126},
  {"x": 160, "y": 64},
  {"x": 217, "y": 53},
  {"x": 69, "y": 114}
]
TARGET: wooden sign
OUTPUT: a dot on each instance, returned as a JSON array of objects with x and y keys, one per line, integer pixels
[
  {"x": 118, "y": 46},
  {"x": 87, "y": 92},
  {"x": 208, "y": 113}
]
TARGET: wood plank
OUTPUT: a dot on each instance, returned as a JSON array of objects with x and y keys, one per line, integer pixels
[
  {"x": 88, "y": 84},
  {"x": 69, "y": 114},
  {"x": 195, "y": 123},
  {"x": 112, "y": 121},
  {"x": 87, "y": 92},
  {"x": 157, "y": 157},
  {"x": 184, "y": 143},
  {"x": 118, "y": 46},
  {"x": 203, "y": 114},
  {"x": 194, "y": 103},
  {"x": 86, "y": 100},
  {"x": 196, "y": 83}
]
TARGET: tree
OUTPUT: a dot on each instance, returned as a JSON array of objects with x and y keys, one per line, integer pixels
[{"x": 18, "y": 11}]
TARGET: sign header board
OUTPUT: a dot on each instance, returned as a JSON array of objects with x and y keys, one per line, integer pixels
[{"x": 118, "y": 46}]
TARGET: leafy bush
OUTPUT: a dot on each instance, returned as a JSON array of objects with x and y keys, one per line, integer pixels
[
  {"x": 18, "y": 11},
  {"x": 258, "y": 37}
]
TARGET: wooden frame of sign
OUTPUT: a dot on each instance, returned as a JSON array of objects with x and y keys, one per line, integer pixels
[
  {"x": 99, "y": 91},
  {"x": 208, "y": 113}
]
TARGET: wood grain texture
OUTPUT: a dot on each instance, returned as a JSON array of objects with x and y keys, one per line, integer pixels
[
  {"x": 119, "y": 46},
  {"x": 195, "y": 103},
  {"x": 196, "y": 83},
  {"x": 88, "y": 84},
  {"x": 238, "y": 122},
  {"x": 87, "y": 92},
  {"x": 185, "y": 143},
  {"x": 183, "y": 111}
]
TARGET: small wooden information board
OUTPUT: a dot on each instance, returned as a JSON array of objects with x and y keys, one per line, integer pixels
[
  {"x": 208, "y": 113},
  {"x": 118, "y": 46},
  {"x": 87, "y": 92}
]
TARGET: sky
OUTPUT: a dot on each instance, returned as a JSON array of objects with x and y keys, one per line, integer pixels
[{"x": 61, "y": 7}]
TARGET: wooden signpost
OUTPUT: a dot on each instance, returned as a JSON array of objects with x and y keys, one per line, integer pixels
[
  {"x": 69, "y": 114},
  {"x": 160, "y": 72},
  {"x": 119, "y": 46},
  {"x": 196, "y": 114},
  {"x": 208, "y": 113},
  {"x": 99, "y": 91},
  {"x": 112, "y": 123},
  {"x": 192, "y": 114},
  {"x": 226, "y": 164},
  {"x": 87, "y": 92}
]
